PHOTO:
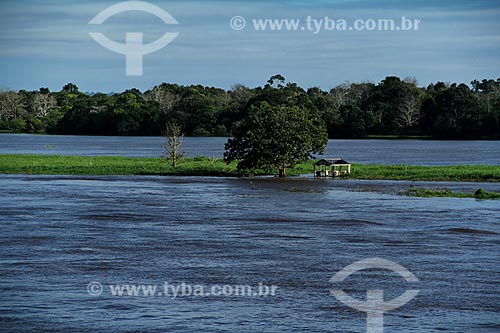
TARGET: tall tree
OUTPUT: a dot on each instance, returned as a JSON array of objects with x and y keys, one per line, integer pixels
[
  {"x": 70, "y": 88},
  {"x": 165, "y": 99},
  {"x": 275, "y": 137},
  {"x": 11, "y": 106},
  {"x": 42, "y": 104},
  {"x": 408, "y": 107},
  {"x": 173, "y": 143},
  {"x": 457, "y": 112}
]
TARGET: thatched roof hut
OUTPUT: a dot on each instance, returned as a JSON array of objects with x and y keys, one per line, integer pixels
[{"x": 333, "y": 167}]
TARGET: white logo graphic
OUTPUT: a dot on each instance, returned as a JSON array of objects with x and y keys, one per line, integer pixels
[
  {"x": 238, "y": 23},
  {"x": 374, "y": 305},
  {"x": 94, "y": 288},
  {"x": 134, "y": 49}
]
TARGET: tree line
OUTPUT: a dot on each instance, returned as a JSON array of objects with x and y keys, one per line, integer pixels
[{"x": 394, "y": 106}]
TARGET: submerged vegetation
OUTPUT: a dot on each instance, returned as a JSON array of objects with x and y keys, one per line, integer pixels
[
  {"x": 446, "y": 193},
  {"x": 204, "y": 166}
]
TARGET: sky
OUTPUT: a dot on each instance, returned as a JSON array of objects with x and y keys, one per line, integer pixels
[{"x": 47, "y": 43}]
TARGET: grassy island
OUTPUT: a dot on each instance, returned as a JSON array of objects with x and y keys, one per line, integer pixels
[{"x": 203, "y": 166}]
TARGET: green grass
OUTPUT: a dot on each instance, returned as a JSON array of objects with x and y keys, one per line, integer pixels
[
  {"x": 203, "y": 166},
  {"x": 111, "y": 165},
  {"x": 475, "y": 173},
  {"x": 446, "y": 193}
]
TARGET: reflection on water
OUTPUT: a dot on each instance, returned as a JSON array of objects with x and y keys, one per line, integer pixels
[
  {"x": 60, "y": 233},
  {"x": 413, "y": 152}
]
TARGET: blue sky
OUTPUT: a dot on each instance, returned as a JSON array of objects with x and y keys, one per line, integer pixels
[{"x": 46, "y": 43}]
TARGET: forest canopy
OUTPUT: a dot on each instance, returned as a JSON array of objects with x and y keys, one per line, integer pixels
[{"x": 394, "y": 106}]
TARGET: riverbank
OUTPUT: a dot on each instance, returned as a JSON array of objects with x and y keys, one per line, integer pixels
[{"x": 203, "y": 166}]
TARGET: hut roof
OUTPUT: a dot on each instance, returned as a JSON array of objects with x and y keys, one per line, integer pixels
[
  {"x": 331, "y": 161},
  {"x": 324, "y": 161}
]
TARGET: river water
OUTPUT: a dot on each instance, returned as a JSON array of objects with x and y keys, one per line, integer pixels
[
  {"x": 413, "y": 152},
  {"x": 60, "y": 233}
]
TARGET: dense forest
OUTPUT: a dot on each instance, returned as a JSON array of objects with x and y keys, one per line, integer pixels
[{"x": 352, "y": 110}]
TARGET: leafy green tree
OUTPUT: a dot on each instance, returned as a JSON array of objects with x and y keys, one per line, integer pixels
[
  {"x": 162, "y": 100},
  {"x": 349, "y": 114},
  {"x": 489, "y": 95},
  {"x": 44, "y": 90},
  {"x": 355, "y": 121},
  {"x": 276, "y": 80},
  {"x": 385, "y": 102},
  {"x": 129, "y": 112},
  {"x": 428, "y": 109},
  {"x": 196, "y": 110},
  {"x": 275, "y": 137},
  {"x": 457, "y": 113},
  {"x": 393, "y": 106},
  {"x": 70, "y": 88},
  {"x": 17, "y": 125}
]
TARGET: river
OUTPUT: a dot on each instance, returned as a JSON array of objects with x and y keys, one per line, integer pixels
[
  {"x": 62, "y": 233},
  {"x": 413, "y": 152},
  {"x": 65, "y": 236}
]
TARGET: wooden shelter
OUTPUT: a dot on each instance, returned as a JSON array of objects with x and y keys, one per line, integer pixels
[{"x": 331, "y": 167}]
